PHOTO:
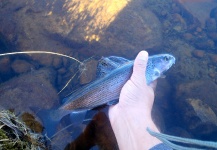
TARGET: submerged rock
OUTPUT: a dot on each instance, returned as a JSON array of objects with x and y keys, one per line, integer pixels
[
  {"x": 31, "y": 122},
  {"x": 203, "y": 111},
  {"x": 213, "y": 58},
  {"x": 33, "y": 89},
  {"x": 179, "y": 23},
  {"x": 198, "y": 53},
  {"x": 199, "y": 10},
  {"x": 91, "y": 27},
  {"x": 199, "y": 118},
  {"x": 196, "y": 104},
  {"x": 5, "y": 69},
  {"x": 21, "y": 66},
  {"x": 205, "y": 43}
]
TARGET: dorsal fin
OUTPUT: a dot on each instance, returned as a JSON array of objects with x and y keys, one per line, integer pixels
[{"x": 107, "y": 64}]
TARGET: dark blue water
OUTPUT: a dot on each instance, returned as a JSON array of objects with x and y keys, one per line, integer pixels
[{"x": 185, "y": 100}]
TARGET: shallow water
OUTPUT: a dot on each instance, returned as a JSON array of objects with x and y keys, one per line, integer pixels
[{"x": 186, "y": 29}]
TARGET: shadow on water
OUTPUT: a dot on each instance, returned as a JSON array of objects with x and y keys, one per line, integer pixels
[{"x": 87, "y": 28}]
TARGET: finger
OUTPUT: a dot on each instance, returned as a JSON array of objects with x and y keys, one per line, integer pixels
[
  {"x": 139, "y": 68},
  {"x": 153, "y": 85}
]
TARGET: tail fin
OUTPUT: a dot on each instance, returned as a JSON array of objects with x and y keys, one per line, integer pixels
[{"x": 49, "y": 120}]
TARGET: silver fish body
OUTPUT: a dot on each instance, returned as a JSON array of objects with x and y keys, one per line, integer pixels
[
  {"x": 101, "y": 91},
  {"x": 113, "y": 74},
  {"x": 106, "y": 89}
]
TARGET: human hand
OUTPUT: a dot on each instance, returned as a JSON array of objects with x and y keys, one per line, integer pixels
[{"x": 132, "y": 115}]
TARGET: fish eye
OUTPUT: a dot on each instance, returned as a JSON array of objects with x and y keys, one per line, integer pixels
[{"x": 166, "y": 58}]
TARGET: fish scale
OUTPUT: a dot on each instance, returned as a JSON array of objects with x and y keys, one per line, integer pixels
[
  {"x": 93, "y": 96},
  {"x": 113, "y": 72}
]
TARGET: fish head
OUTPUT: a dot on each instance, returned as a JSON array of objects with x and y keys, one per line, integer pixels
[{"x": 157, "y": 65}]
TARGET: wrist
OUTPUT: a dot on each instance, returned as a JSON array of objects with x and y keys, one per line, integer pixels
[{"x": 131, "y": 133}]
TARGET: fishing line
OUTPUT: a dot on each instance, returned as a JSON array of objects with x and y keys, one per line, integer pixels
[
  {"x": 68, "y": 82},
  {"x": 168, "y": 138},
  {"x": 81, "y": 66},
  {"x": 41, "y": 52}
]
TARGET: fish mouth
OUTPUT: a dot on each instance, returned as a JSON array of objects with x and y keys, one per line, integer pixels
[{"x": 171, "y": 62}]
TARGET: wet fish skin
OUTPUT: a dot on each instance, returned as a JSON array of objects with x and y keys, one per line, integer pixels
[{"x": 104, "y": 90}]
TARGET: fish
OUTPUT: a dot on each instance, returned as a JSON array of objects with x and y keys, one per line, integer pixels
[{"x": 112, "y": 73}]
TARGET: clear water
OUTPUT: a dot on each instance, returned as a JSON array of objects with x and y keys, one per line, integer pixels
[{"x": 186, "y": 29}]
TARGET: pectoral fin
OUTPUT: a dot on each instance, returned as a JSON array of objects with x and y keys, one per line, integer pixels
[{"x": 113, "y": 102}]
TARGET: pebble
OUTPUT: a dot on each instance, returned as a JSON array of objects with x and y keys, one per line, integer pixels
[
  {"x": 205, "y": 44},
  {"x": 211, "y": 75},
  {"x": 5, "y": 65},
  {"x": 198, "y": 53},
  {"x": 21, "y": 66},
  {"x": 62, "y": 71},
  {"x": 213, "y": 58},
  {"x": 188, "y": 36}
]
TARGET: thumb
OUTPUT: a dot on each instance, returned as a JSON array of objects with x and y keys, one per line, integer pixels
[{"x": 139, "y": 68}]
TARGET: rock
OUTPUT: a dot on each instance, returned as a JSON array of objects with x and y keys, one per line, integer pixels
[
  {"x": 212, "y": 75},
  {"x": 5, "y": 63},
  {"x": 88, "y": 73},
  {"x": 203, "y": 111},
  {"x": 199, "y": 10},
  {"x": 198, "y": 29},
  {"x": 187, "y": 68},
  {"x": 199, "y": 118},
  {"x": 27, "y": 20},
  {"x": 176, "y": 9},
  {"x": 199, "y": 89},
  {"x": 62, "y": 71},
  {"x": 142, "y": 25},
  {"x": 179, "y": 23},
  {"x": 21, "y": 66},
  {"x": 188, "y": 36},
  {"x": 33, "y": 89},
  {"x": 198, "y": 53},
  {"x": 31, "y": 122},
  {"x": 205, "y": 44},
  {"x": 60, "y": 27},
  {"x": 9, "y": 27},
  {"x": 196, "y": 105},
  {"x": 213, "y": 58}
]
